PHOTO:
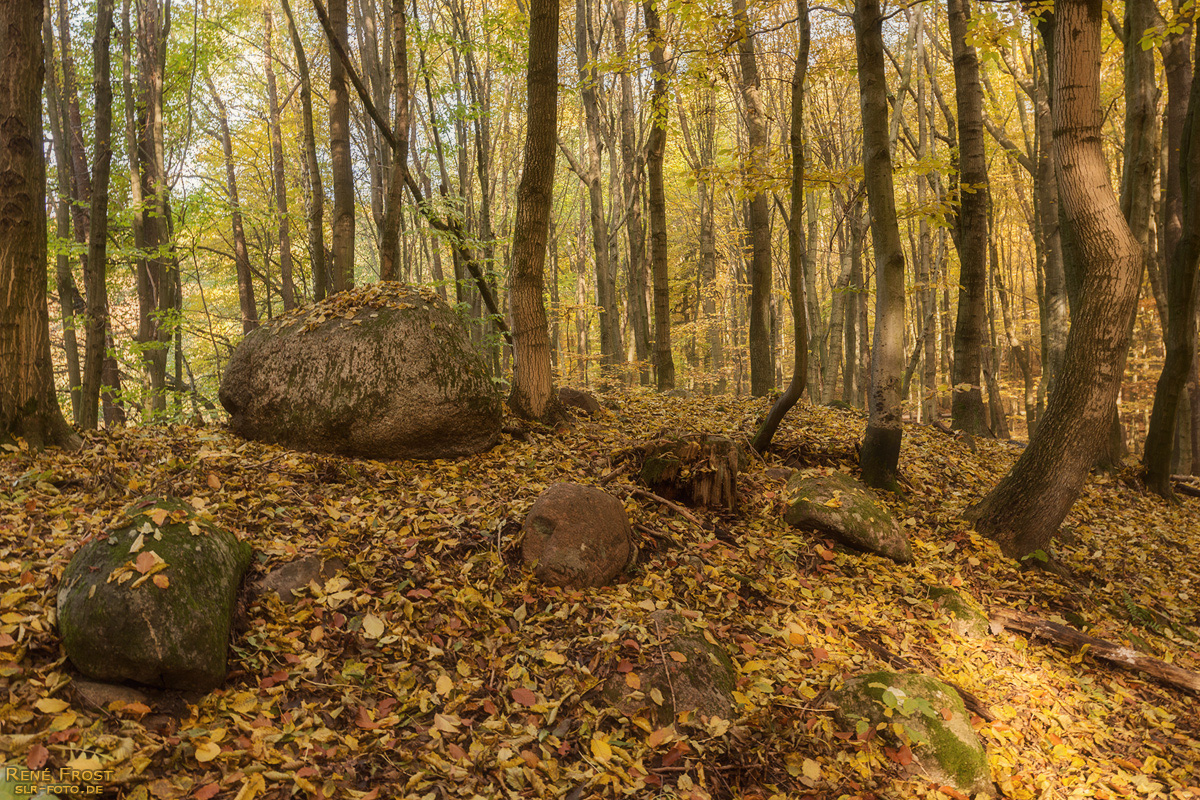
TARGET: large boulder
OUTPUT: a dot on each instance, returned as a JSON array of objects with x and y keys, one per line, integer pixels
[
  {"x": 153, "y": 601},
  {"x": 944, "y": 745},
  {"x": 683, "y": 673},
  {"x": 841, "y": 507},
  {"x": 577, "y": 536},
  {"x": 387, "y": 371}
]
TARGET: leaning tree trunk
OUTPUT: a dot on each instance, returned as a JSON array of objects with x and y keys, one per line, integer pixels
[
  {"x": 28, "y": 405},
  {"x": 796, "y": 245},
  {"x": 533, "y": 395},
  {"x": 880, "y": 454},
  {"x": 1181, "y": 307},
  {"x": 664, "y": 361},
  {"x": 762, "y": 362},
  {"x": 966, "y": 404},
  {"x": 1023, "y": 512}
]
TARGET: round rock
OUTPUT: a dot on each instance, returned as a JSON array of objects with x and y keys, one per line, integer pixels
[{"x": 577, "y": 536}]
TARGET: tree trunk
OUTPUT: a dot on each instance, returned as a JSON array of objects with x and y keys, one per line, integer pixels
[
  {"x": 1023, "y": 512},
  {"x": 655, "y": 148},
  {"x": 341, "y": 157},
  {"x": 762, "y": 366},
  {"x": 880, "y": 454},
  {"x": 1181, "y": 308},
  {"x": 796, "y": 245},
  {"x": 28, "y": 405},
  {"x": 966, "y": 405},
  {"x": 287, "y": 284},
  {"x": 1057, "y": 323},
  {"x": 533, "y": 395}
]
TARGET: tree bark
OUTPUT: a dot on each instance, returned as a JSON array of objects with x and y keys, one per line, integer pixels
[
  {"x": 966, "y": 405},
  {"x": 341, "y": 157},
  {"x": 880, "y": 454},
  {"x": 664, "y": 360},
  {"x": 533, "y": 395},
  {"x": 280, "y": 210},
  {"x": 762, "y": 361},
  {"x": 1023, "y": 512},
  {"x": 28, "y": 405}
]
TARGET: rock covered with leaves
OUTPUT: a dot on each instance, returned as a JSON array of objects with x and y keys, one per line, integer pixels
[
  {"x": 689, "y": 673},
  {"x": 577, "y": 536},
  {"x": 931, "y": 715},
  {"x": 962, "y": 617},
  {"x": 152, "y": 601},
  {"x": 387, "y": 371},
  {"x": 579, "y": 400},
  {"x": 840, "y": 506}
]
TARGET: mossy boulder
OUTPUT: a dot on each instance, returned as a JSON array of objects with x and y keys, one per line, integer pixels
[
  {"x": 152, "y": 602},
  {"x": 579, "y": 401},
  {"x": 843, "y": 508},
  {"x": 945, "y": 747},
  {"x": 684, "y": 673},
  {"x": 961, "y": 615},
  {"x": 386, "y": 371}
]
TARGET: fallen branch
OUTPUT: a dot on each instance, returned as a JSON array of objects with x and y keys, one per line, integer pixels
[
  {"x": 1185, "y": 484},
  {"x": 1124, "y": 657},
  {"x": 678, "y": 509}
]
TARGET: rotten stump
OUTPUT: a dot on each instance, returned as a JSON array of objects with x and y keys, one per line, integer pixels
[{"x": 697, "y": 469}]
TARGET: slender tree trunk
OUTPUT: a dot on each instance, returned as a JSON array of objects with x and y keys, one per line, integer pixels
[
  {"x": 1058, "y": 321},
  {"x": 28, "y": 405},
  {"x": 1023, "y": 512},
  {"x": 762, "y": 361},
  {"x": 880, "y": 454},
  {"x": 95, "y": 278},
  {"x": 655, "y": 148},
  {"x": 341, "y": 157},
  {"x": 966, "y": 405},
  {"x": 287, "y": 284},
  {"x": 533, "y": 395},
  {"x": 796, "y": 245},
  {"x": 389, "y": 242}
]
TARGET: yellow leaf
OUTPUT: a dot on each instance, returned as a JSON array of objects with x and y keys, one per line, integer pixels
[
  {"x": 601, "y": 749},
  {"x": 137, "y": 543},
  {"x": 444, "y": 684},
  {"x": 373, "y": 626},
  {"x": 656, "y": 696},
  {"x": 51, "y": 705},
  {"x": 796, "y": 638},
  {"x": 677, "y": 656},
  {"x": 207, "y": 752},
  {"x": 553, "y": 657},
  {"x": 811, "y": 769},
  {"x": 253, "y": 787},
  {"x": 161, "y": 581},
  {"x": 633, "y": 681}
]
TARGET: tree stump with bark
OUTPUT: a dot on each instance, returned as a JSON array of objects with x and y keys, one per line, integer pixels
[{"x": 697, "y": 469}]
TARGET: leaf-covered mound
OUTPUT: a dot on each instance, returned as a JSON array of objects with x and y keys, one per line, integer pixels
[{"x": 435, "y": 667}]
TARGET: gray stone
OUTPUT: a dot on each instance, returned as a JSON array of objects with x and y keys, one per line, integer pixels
[
  {"x": 845, "y": 509},
  {"x": 702, "y": 683},
  {"x": 962, "y": 617},
  {"x": 577, "y": 536},
  {"x": 579, "y": 400},
  {"x": 945, "y": 751},
  {"x": 153, "y": 601},
  {"x": 101, "y": 695},
  {"x": 386, "y": 371},
  {"x": 288, "y": 580}
]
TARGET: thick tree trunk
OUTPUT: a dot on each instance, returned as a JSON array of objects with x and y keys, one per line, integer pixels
[
  {"x": 1023, "y": 512},
  {"x": 758, "y": 219},
  {"x": 664, "y": 361},
  {"x": 796, "y": 245},
  {"x": 97, "y": 260},
  {"x": 1181, "y": 309},
  {"x": 286, "y": 281},
  {"x": 533, "y": 395},
  {"x": 966, "y": 405},
  {"x": 880, "y": 454},
  {"x": 341, "y": 157},
  {"x": 28, "y": 406}
]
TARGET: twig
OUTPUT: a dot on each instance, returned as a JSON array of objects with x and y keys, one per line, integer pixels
[
  {"x": 678, "y": 509},
  {"x": 666, "y": 667},
  {"x": 614, "y": 473}
]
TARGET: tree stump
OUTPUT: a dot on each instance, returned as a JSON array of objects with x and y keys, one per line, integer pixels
[{"x": 697, "y": 469}]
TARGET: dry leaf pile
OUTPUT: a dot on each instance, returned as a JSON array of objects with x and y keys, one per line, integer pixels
[{"x": 434, "y": 667}]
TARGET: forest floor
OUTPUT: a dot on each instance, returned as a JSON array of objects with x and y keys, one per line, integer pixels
[{"x": 435, "y": 667}]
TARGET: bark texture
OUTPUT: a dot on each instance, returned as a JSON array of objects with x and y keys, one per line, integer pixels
[{"x": 656, "y": 144}]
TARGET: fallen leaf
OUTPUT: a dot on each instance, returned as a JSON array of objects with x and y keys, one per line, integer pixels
[
  {"x": 207, "y": 752},
  {"x": 524, "y": 696}
]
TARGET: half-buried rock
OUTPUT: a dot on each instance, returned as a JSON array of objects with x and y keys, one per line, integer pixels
[
  {"x": 841, "y": 507},
  {"x": 577, "y": 536},
  {"x": 386, "y": 371},
  {"x": 153, "y": 601}
]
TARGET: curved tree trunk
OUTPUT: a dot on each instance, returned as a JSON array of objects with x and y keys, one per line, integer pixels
[
  {"x": 533, "y": 394},
  {"x": 966, "y": 404},
  {"x": 28, "y": 406},
  {"x": 1023, "y": 512},
  {"x": 880, "y": 454}
]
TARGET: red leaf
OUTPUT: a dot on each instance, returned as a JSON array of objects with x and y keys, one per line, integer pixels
[
  {"x": 524, "y": 696},
  {"x": 363, "y": 720},
  {"x": 37, "y": 756},
  {"x": 624, "y": 666},
  {"x": 819, "y": 654},
  {"x": 6, "y": 640},
  {"x": 489, "y": 707},
  {"x": 207, "y": 791}
]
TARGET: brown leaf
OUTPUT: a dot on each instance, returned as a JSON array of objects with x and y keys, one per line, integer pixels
[
  {"x": 207, "y": 791},
  {"x": 37, "y": 756},
  {"x": 524, "y": 696},
  {"x": 145, "y": 561}
]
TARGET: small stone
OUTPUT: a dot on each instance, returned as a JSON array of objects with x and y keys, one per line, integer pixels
[
  {"x": 100, "y": 695},
  {"x": 287, "y": 580},
  {"x": 577, "y": 536},
  {"x": 579, "y": 400}
]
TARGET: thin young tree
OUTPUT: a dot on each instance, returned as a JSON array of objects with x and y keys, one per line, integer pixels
[{"x": 656, "y": 143}]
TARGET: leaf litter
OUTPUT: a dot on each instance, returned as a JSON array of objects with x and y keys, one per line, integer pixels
[{"x": 434, "y": 667}]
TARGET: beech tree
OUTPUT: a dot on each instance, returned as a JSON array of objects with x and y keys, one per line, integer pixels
[{"x": 1025, "y": 509}]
